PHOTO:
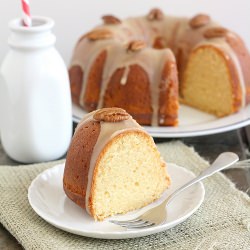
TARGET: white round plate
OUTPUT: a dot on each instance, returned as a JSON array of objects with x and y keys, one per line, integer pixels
[
  {"x": 192, "y": 122},
  {"x": 47, "y": 198}
]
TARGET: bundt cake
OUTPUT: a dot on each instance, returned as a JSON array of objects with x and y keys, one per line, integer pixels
[
  {"x": 113, "y": 165},
  {"x": 128, "y": 63}
]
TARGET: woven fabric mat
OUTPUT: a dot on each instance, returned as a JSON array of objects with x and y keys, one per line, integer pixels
[{"x": 222, "y": 221}]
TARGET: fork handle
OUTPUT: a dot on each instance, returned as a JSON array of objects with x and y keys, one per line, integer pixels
[{"x": 223, "y": 161}]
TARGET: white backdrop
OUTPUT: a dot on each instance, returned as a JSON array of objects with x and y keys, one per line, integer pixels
[{"x": 74, "y": 17}]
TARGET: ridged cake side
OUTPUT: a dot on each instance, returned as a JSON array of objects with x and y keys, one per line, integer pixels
[{"x": 78, "y": 160}]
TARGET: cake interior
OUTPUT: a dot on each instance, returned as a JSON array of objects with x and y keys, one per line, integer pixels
[
  {"x": 207, "y": 82},
  {"x": 129, "y": 175}
]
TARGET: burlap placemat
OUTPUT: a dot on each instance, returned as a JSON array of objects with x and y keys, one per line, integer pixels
[{"x": 222, "y": 222}]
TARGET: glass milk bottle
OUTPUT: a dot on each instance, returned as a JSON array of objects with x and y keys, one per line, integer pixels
[{"x": 35, "y": 102}]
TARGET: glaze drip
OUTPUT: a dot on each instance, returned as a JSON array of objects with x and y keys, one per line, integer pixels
[{"x": 125, "y": 76}]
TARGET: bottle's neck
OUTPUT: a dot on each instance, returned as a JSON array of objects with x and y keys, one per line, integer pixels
[
  {"x": 19, "y": 40},
  {"x": 37, "y": 36}
]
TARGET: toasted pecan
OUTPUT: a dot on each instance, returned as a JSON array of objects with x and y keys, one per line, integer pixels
[
  {"x": 155, "y": 15},
  {"x": 159, "y": 43},
  {"x": 109, "y": 19},
  {"x": 136, "y": 45},
  {"x": 215, "y": 32},
  {"x": 99, "y": 34},
  {"x": 199, "y": 21},
  {"x": 111, "y": 115}
]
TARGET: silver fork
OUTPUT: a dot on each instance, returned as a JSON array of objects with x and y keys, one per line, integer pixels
[{"x": 158, "y": 215}]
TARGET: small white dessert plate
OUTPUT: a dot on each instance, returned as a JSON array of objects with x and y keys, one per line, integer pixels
[
  {"x": 192, "y": 122},
  {"x": 47, "y": 198}
]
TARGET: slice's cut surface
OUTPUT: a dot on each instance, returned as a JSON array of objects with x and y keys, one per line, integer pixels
[
  {"x": 129, "y": 174},
  {"x": 209, "y": 82}
]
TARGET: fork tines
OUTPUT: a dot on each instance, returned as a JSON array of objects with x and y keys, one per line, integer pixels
[{"x": 130, "y": 224}]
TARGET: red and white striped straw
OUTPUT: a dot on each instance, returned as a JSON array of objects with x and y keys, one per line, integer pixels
[{"x": 26, "y": 13}]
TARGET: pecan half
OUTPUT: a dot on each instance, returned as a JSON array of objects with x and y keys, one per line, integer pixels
[
  {"x": 136, "y": 45},
  {"x": 215, "y": 32},
  {"x": 159, "y": 43},
  {"x": 109, "y": 19},
  {"x": 111, "y": 115},
  {"x": 99, "y": 34},
  {"x": 155, "y": 15},
  {"x": 199, "y": 21}
]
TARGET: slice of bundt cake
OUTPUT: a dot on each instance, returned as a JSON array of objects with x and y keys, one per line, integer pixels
[{"x": 113, "y": 165}]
